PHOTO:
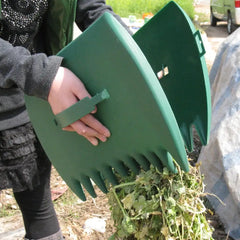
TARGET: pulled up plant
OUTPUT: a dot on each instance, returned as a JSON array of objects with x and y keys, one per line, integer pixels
[{"x": 160, "y": 205}]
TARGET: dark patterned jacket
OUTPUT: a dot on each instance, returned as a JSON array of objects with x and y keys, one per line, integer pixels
[{"x": 31, "y": 31}]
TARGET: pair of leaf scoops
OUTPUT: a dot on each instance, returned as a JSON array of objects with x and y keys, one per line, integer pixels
[{"x": 150, "y": 118}]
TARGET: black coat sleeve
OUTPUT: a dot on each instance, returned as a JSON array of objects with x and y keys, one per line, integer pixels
[{"x": 89, "y": 10}]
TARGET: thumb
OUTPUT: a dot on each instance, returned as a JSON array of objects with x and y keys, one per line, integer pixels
[{"x": 81, "y": 92}]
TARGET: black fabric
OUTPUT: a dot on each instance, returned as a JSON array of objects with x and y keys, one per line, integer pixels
[
  {"x": 25, "y": 167},
  {"x": 20, "y": 21},
  {"x": 37, "y": 209},
  {"x": 20, "y": 69},
  {"x": 90, "y": 10},
  {"x": 22, "y": 159}
]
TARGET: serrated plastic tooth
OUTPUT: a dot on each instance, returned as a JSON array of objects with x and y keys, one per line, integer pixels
[
  {"x": 166, "y": 159},
  {"x": 96, "y": 177},
  {"x": 86, "y": 182},
  {"x": 143, "y": 162},
  {"x": 154, "y": 160},
  {"x": 76, "y": 188},
  {"x": 120, "y": 168},
  {"x": 187, "y": 135},
  {"x": 132, "y": 164},
  {"x": 109, "y": 175},
  {"x": 202, "y": 130}
]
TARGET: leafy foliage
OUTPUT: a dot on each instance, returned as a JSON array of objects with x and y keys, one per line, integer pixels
[
  {"x": 137, "y": 7},
  {"x": 160, "y": 205}
]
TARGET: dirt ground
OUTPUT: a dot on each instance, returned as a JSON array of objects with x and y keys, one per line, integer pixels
[{"x": 71, "y": 211}]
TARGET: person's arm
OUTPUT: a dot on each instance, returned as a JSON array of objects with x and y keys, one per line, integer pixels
[
  {"x": 32, "y": 73},
  {"x": 42, "y": 76},
  {"x": 89, "y": 10}
]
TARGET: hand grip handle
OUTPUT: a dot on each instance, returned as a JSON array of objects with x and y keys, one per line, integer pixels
[
  {"x": 79, "y": 109},
  {"x": 200, "y": 44}
]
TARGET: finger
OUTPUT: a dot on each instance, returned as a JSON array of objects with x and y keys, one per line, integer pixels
[
  {"x": 94, "y": 111},
  {"x": 92, "y": 140},
  {"x": 68, "y": 128},
  {"x": 83, "y": 94},
  {"x": 93, "y": 123},
  {"x": 101, "y": 131},
  {"x": 84, "y": 130},
  {"x": 101, "y": 137}
]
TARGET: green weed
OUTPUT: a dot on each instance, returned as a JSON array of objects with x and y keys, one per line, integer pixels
[
  {"x": 7, "y": 211},
  {"x": 160, "y": 206}
]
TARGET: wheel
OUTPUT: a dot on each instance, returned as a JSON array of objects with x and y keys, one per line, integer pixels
[
  {"x": 230, "y": 27},
  {"x": 213, "y": 20}
]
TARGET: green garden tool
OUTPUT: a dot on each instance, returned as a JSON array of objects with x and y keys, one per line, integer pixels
[
  {"x": 175, "y": 52},
  {"x": 131, "y": 103}
]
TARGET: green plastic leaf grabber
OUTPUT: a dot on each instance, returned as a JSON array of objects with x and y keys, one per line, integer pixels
[
  {"x": 175, "y": 52},
  {"x": 143, "y": 126}
]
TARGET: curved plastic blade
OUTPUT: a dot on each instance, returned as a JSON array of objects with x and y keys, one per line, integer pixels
[{"x": 170, "y": 41}]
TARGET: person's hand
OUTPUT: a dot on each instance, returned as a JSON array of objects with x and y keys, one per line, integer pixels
[{"x": 65, "y": 91}]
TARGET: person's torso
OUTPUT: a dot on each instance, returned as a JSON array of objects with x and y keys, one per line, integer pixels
[
  {"x": 21, "y": 20},
  {"x": 20, "y": 23}
]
